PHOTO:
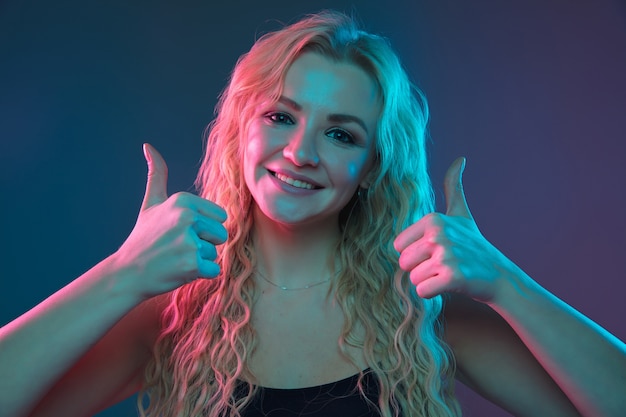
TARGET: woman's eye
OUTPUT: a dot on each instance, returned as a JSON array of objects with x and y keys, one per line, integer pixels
[
  {"x": 340, "y": 135},
  {"x": 280, "y": 118}
]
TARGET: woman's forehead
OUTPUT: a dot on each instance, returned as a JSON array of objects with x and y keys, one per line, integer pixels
[{"x": 316, "y": 82}]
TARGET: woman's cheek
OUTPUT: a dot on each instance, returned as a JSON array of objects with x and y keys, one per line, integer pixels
[{"x": 353, "y": 169}]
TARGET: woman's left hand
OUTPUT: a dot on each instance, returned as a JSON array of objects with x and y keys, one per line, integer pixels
[{"x": 447, "y": 252}]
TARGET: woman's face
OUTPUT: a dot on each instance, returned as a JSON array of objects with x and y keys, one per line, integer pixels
[{"x": 305, "y": 155}]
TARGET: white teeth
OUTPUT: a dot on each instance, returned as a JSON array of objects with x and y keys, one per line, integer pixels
[{"x": 295, "y": 183}]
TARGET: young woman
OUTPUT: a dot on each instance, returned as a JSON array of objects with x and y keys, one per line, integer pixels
[{"x": 311, "y": 275}]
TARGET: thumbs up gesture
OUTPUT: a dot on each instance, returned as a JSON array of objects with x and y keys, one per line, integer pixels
[
  {"x": 174, "y": 239},
  {"x": 447, "y": 252}
]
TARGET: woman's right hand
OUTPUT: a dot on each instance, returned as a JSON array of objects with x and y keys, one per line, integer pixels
[
  {"x": 173, "y": 241},
  {"x": 96, "y": 329}
]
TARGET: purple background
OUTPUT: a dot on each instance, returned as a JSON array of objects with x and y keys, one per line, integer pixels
[{"x": 533, "y": 93}]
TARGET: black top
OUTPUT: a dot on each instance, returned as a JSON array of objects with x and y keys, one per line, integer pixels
[{"x": 340, "y": 398}]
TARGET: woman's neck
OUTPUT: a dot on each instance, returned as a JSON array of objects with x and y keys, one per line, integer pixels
[{"x": 294, "y": 256}]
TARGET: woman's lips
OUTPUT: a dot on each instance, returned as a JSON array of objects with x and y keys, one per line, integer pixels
[{"x": 295, "y": 180}]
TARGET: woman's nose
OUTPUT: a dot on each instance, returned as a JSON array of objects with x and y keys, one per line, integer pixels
[{"x": 301, "y": 149}]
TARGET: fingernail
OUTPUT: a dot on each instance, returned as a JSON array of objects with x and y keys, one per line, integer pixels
[{"x": 146, "y": 152}]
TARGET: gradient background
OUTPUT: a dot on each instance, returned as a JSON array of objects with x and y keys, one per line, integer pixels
[{"x": 532, "y": 92}]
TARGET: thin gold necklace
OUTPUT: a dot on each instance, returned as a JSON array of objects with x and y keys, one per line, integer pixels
[{"x": 306, "y": 287}]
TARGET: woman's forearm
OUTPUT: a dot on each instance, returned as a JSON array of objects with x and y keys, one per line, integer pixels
[
  {"x": 586, "y": 361},
  {"x": 37, "y": 348}
]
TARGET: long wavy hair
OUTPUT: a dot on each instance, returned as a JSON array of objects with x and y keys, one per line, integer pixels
[{"x": 202, "y": 353}]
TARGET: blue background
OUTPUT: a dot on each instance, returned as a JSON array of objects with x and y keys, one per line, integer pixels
[{"x": 533, "y": 93}]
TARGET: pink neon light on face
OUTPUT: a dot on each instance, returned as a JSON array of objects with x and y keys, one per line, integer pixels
[{"x": 305, "y": 156}]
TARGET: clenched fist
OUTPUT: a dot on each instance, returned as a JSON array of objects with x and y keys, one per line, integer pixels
[
  {"x": 173, "y": 241},
  {"x": 447, "y": 252}
]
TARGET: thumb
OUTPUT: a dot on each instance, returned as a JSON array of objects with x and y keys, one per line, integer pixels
[
  {"x": 456, "y": 204},
  {"x": 156, "y": 185}
]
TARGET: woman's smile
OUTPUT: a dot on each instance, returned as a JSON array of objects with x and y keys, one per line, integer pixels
[{"x": 296, "y": 180}]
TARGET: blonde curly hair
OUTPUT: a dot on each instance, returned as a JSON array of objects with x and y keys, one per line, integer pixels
[{"x": 202, "y": 353}]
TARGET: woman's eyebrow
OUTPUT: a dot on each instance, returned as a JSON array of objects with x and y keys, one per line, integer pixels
[
  {"x": 289, "y": 102},
  {"x": 334, "y": 117},
  {"x": 345, "y": 118}
]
